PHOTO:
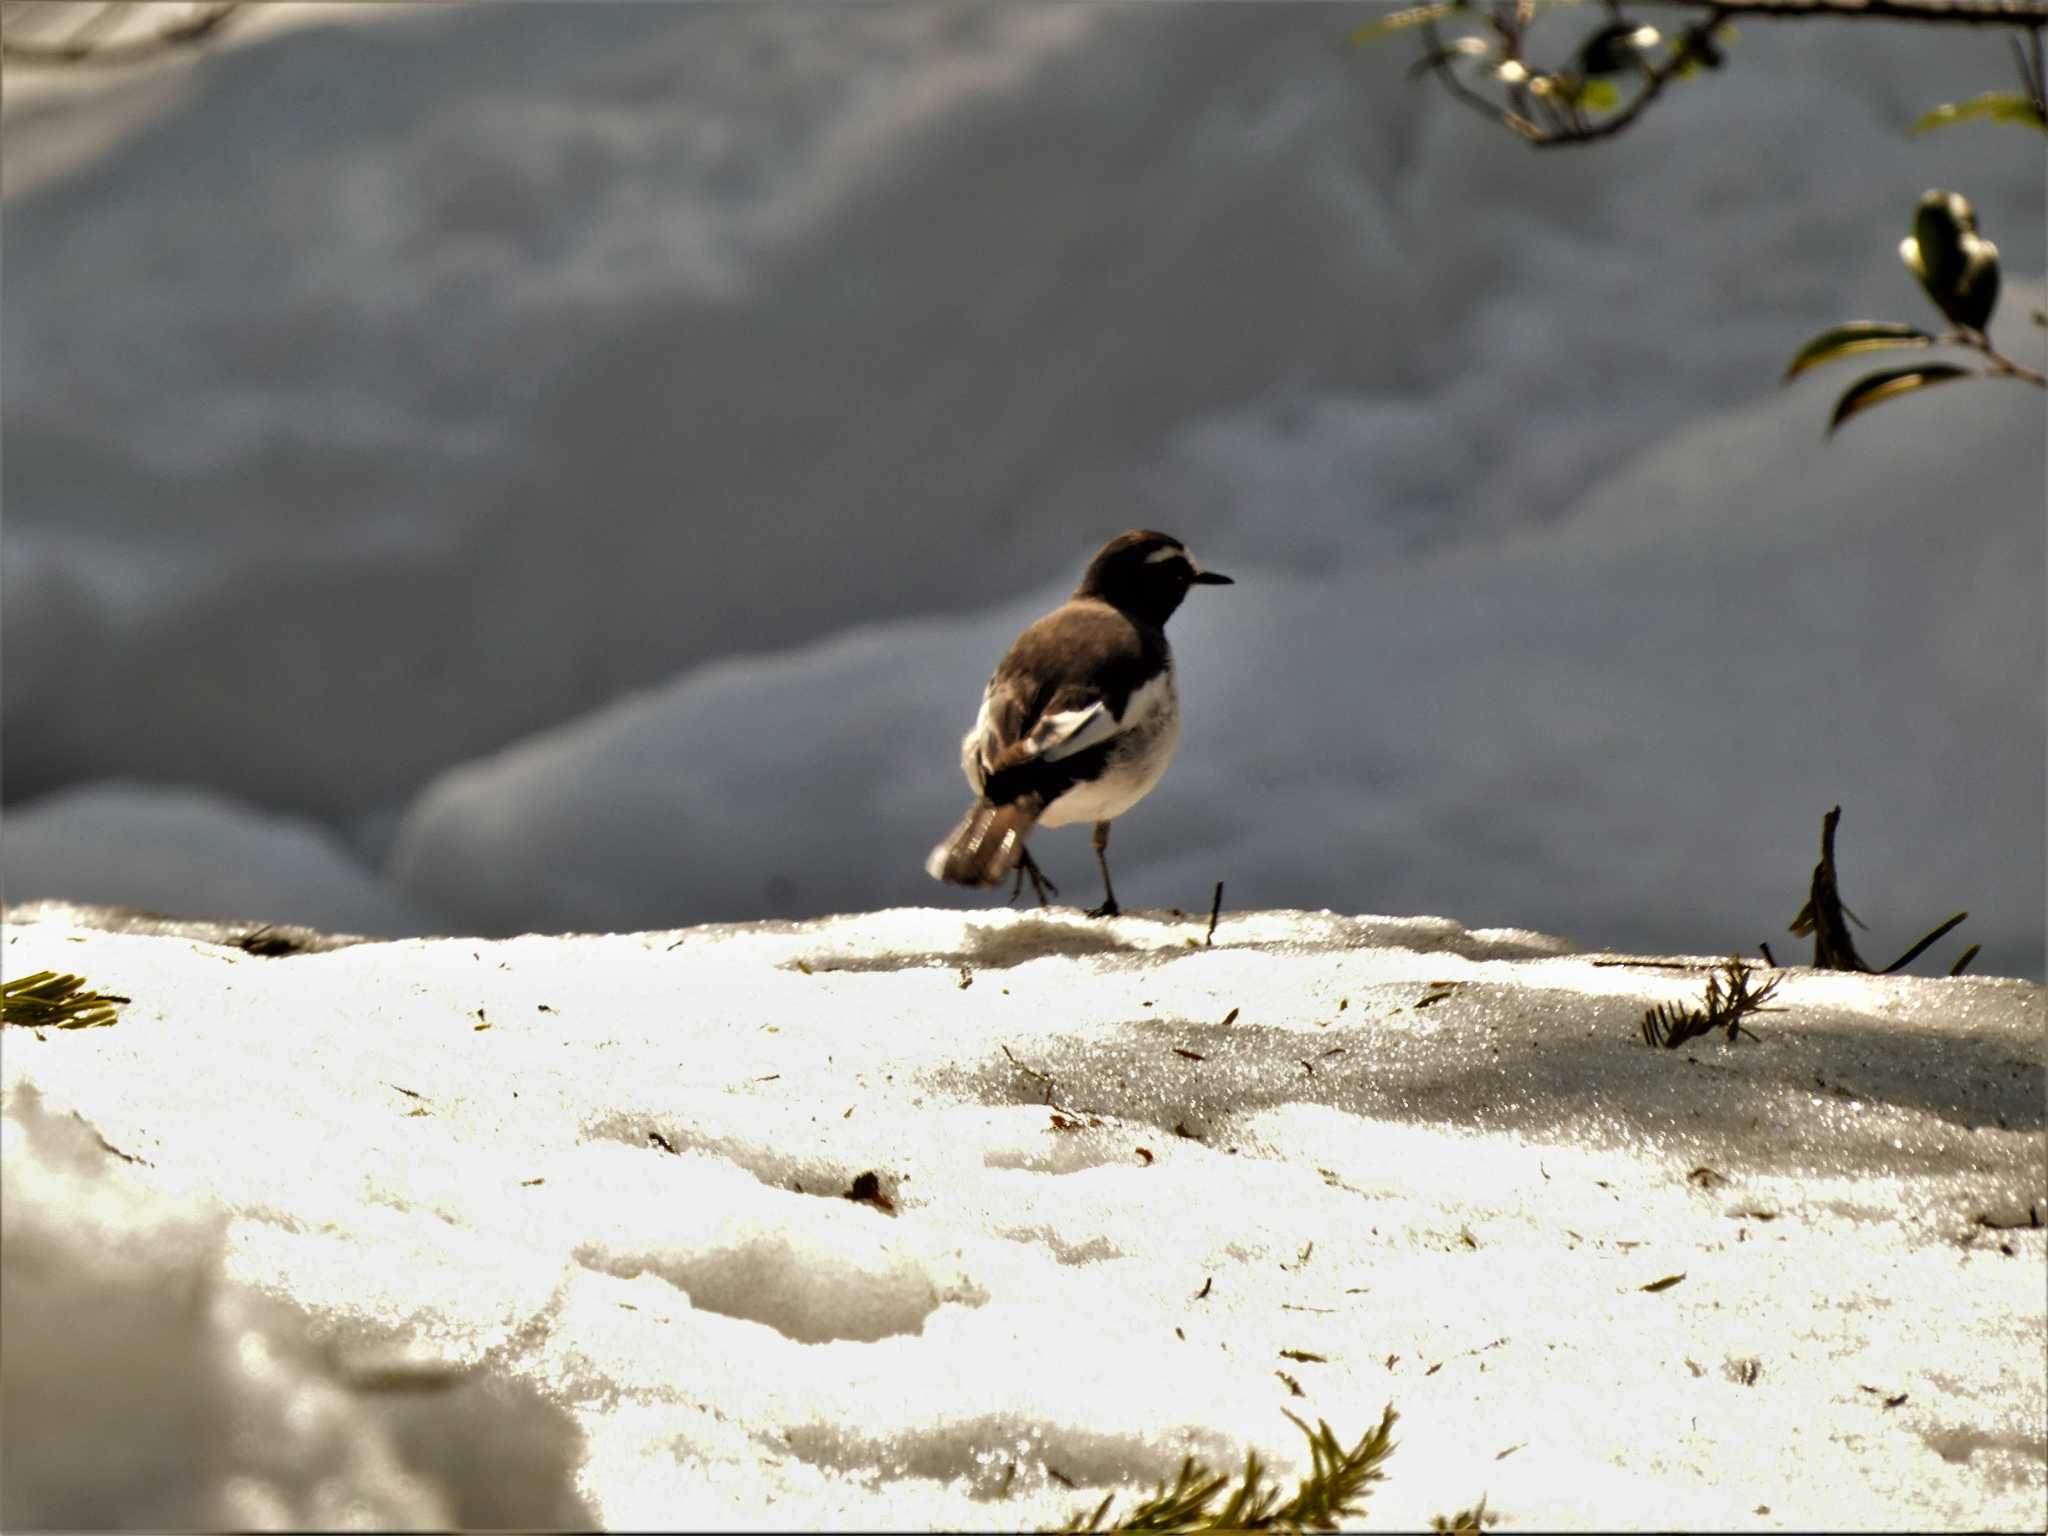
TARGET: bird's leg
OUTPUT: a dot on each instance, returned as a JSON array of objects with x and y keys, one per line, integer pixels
[
  {"x": 1026, "y": 865},
  {"x": 1109, "y": 908}
]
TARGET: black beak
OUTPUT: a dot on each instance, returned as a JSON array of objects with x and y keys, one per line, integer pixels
[{"x": 1213, "y": 579}]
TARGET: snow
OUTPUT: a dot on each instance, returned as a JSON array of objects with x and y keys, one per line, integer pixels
[
  {"x": 142, "y": 1387},
  {"x": 1464, "y": 734},
  {"x": 499, "y": 435},
  {"x": 494, "y": 469},
  {"x": 195, "y": 855},
  {"x": 554, "y": 1230}
]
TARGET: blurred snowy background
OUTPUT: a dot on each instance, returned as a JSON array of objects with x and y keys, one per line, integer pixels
[{"x": 544, "y": 466}]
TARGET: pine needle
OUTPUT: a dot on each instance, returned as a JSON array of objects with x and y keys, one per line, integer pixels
[
  {"x": 1673, "y": 1024},
  {"x": 1336, "y": 1487},
  {"x": 47, "y": 1000},
  {"x": 1466, "y": 1522}
]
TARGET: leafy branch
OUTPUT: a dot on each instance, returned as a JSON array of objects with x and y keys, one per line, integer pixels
[
  {"x": 47, "y": 1000},
  {"x": 1671, "y": 1025},
  {"x": 1573, "y": 102},
  {"x": 1958, "y": 268},
  {"x": 1336, "y": 1487},
  {"x": 1614, "y": 72}
]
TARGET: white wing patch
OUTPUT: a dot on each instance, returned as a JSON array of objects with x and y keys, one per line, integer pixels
[
  {"x": 1074, "y": 730},
  {"x": 974, "y": 745},
  {"x": 1056, "y": 736},
  {"x": 1149, "y": 727}
]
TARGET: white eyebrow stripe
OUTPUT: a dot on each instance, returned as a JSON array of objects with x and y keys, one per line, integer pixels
[{"x": 1174, "y": 552}]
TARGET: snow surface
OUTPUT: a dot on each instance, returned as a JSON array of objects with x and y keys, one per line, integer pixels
[
  {"x": 553, "y": 1230},
  {"x": 589, "y": 459},
  {"x": 195, "y": 855},
  {"x": 1636, "y": 774}
]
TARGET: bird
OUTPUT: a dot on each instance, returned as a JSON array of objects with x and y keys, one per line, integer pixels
[{"x": 1079, "y": 719}]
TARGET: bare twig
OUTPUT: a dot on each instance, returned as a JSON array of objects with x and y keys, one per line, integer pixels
[
  {"x": 1031, "y": 1072},
  {"x": 1437, "y": 59},
  {"x": 1075, "y": 1119},
  {"x": 1823, "y": 918},
  {"x": 1914, "y": 953},
  {"x": 2002, "y": 367},
  {"x": 2028, "y": 57},
  {"x": 1980, "y": 13}
]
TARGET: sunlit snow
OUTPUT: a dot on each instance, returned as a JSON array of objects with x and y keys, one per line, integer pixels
[
  {"x": 557, "y": 1229},
  {"x": 498, "y": 468},
  {"x": 583, "y": 463}
]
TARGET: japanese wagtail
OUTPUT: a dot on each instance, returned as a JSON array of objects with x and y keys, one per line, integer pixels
[{"x": 1080, "y": 718}]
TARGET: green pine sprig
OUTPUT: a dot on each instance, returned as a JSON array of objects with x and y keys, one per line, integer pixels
[
  {"x": 47, "y": 1000},
  {"x": 1336, "y": 1487},
  {"x": 1469, "y": 1521},
  {"x": 1673, "y": 1024}
]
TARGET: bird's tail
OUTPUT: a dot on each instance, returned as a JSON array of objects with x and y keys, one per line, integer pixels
[{"x": 986, "y": 845}]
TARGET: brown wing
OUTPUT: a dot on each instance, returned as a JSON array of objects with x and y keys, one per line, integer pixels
[{"x": 1061, "y": 690}]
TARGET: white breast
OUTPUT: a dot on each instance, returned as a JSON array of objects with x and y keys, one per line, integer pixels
[{"x": 1138, "y": 754}]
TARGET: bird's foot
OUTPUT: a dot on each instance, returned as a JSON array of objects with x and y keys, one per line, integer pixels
[
  {"x": 1109, "y": 908},
  {"x": 1026, "y": 865}
]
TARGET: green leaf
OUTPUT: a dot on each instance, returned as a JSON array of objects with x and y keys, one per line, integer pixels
[
  {"x": 1957, "y": 266},
  {"x": 1600, "y": 96},
  {"x": 1697, "y": 48},
  {"x": 1992, "y": 106},
  {"x": 1876, "y": 388},
  {"x": 1849, "y": 340},
  {"x": 1401, "y": 21},
  {"x": 1977, "y": 290},
  {"x": 1936, "y": 257}
]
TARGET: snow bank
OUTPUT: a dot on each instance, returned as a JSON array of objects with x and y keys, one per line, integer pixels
[
  {"x": 1126, "y": 1196},
  {"x": 194, "y": 855},
  {"x": 144, "y": 1389},
  {"x": 403, "y": 393},
  {"x": 1461, "y": 731}
]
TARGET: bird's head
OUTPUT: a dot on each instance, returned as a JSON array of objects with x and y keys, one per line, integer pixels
[{"x": 1145, "y": 574}]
